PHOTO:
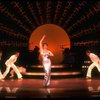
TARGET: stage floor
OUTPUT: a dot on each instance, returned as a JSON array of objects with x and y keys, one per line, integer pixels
[{"x": 59, "y": 88}]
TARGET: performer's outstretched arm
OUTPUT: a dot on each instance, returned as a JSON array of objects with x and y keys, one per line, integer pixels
[
  {"x": 41, "y": 42},
  {"x": 50, "y": 53}
]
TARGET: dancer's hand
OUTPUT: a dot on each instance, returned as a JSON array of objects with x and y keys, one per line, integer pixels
[{"x": 44, "y": 36}]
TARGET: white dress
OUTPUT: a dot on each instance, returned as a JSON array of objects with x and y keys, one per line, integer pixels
[{"x": 47, "y": 67}]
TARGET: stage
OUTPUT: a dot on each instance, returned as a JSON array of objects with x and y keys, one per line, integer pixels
[
  {"x": 37, "y": 31},
  {"x": 59, "y": 88}
]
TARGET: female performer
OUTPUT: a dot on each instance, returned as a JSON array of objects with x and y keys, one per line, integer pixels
[{"x": 45, "y": 54}]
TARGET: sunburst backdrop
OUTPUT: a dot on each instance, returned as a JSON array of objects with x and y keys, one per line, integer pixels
[{"x": 18, "y": 19}]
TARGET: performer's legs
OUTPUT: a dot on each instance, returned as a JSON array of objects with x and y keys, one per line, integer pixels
[
  {"x": 16, "y": 71},
  {"x": 90, "y": 70},
  {"x": 7, "y": 71},
  {"x": 47, "y": 75},
  {"x": 98, "y": 66},
  {"x": 1, "y": 76}
]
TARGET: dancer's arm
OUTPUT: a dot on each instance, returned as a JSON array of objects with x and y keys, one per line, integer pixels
[
  {"x": 50, "y": 53},
  {"x": 41, "y": 43}
]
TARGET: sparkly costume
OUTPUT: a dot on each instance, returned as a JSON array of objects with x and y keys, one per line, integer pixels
[{"x": 47, "y": 67}]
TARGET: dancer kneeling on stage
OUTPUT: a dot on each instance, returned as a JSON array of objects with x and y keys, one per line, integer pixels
[
  {"x": 10, "y": 64},
  {"x": 96, "y": 63},
  {"x": 21, "y": 69},
  {"x": 45, "y": 54}
]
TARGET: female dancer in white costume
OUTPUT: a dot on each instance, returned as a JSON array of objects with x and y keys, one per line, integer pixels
[{"x": 45, "y": 54}]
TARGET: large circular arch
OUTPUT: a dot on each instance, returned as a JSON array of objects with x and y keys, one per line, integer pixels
[{"x": 56, "y": 38}]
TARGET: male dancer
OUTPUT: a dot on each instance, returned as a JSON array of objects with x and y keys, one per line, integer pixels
[
  {"x": 96, "y": 63},
  {"x": 10, "y": 64}
]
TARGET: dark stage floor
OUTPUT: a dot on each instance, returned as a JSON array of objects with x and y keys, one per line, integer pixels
[{"x": 59, "y": 88}]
